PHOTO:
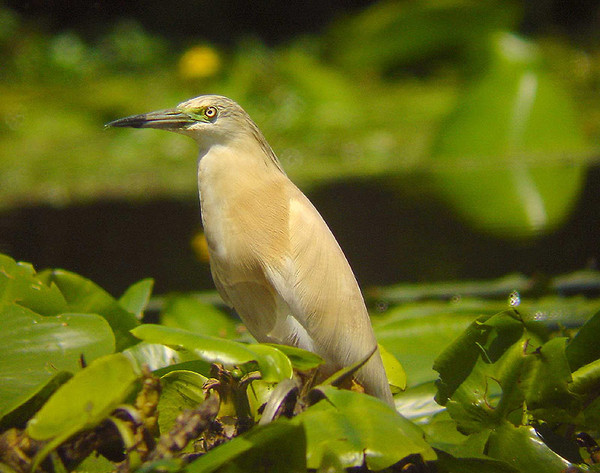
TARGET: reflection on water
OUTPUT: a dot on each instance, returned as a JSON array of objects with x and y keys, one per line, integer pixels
[{"x": 389, "y": 232}]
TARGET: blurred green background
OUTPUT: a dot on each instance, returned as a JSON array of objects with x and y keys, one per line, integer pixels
[{"x": 440, "y": 139}]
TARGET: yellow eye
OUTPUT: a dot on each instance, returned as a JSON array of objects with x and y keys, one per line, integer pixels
[{"x": 210, "y": 112}]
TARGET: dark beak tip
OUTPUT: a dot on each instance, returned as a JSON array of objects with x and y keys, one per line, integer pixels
[
  {"x": 163, "y": 119},
  {"x": 136, "y": 121}
]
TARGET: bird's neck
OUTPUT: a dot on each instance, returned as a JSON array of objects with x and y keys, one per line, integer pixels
[
  {"x": 227, "y": 172},
  {"x": 227, "y": 177},
  {"x": 235, "y": 163}
]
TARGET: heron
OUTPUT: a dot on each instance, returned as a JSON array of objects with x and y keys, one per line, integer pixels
[{"x": 272, "y": 256}]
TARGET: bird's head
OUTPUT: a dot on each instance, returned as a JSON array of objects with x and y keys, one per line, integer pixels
[{"x": 208, "y": 119}]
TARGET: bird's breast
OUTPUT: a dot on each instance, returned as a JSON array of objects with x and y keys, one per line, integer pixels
[{"x": 245, "y": 218}]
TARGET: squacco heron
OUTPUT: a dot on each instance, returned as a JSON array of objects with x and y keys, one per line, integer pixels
[{"x": 272, "y": 256}]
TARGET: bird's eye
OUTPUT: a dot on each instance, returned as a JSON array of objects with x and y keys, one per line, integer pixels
[{"x": 210, "y": 112}]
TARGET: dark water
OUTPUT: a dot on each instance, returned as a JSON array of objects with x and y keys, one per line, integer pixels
[{"x": 387, "y": 236}]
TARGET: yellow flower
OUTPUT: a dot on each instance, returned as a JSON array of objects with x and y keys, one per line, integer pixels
[
  {"x": 200, "y": 247},
  {"x": 199, "y": 62}
]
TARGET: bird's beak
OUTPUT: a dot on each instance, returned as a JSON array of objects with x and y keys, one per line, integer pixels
[{"x": 170, "y": 119}]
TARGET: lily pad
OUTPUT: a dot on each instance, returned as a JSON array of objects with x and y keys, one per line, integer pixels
[{"x": 37, "y": 348}]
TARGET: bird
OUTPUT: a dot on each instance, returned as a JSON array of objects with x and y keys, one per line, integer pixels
[{"x": 272, "y": 256}]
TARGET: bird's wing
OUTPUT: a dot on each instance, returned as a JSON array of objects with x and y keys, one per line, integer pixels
[
  {"x": 292, "y": 285},
  {"x": 253, "y": 237},
  {"x": 319, "y": 289}
]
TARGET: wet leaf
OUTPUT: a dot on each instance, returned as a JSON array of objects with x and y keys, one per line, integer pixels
[
  {"x": 522, "y": 449},
  {"x": 36, "y": 348},
  {"x": 467, "y": 291},
  {"x": 449, "y": 464},
  {"x": 417, "y": 403},
  {"x": 586, "y": 380},
  {"x": 211, "y": 349},
  {"x": 357, "y": 428},
  {"x": 487, "y": 339},
  {"x": 457, "y": 361},
  {"x": 404, "y": 332},
  {"x": 153, "y": 355}
]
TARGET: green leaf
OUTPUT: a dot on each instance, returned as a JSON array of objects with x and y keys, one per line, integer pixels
[
  {"x": 443, "y": 434},
  {"x": 190, "y": 313},
  {"x": 19, "y": 284},
  {"x": 35, "y": 349},
  {"x": 369, "y": 40},
  {"x": 95, "y": 464},
  {"x": 500, "y": 157},
  {"x": 393, "y": 369},
  {"x": 273, "y": 363},
  {"x": 586, "y": 380},
  {"x": 522, "y": 449},
  {"x": 358, "y": 428},
  {"x": 462, "y": 454},
  {"x": 85, "y": 400},
  {"x": 493, "y": 387},
  {"x": 278, "y": 447},
  {"x": 458, "y": 360},
  {"x": 211, "y": 349},
  {"x": 136, "y": 297},
  {"x": 302, "y": 360},
  {"x": 584, "y": 348},
  {"x": 153, "y": 355},
  {"x": 83, "y": 295},
  {"x": 471, "y": 404},
  {"x": 450, "y": 464},
  {"x": 546, "y": 382},
  {"x": 82, "y": 402},
  {"x": 180, "y": 390},
  {"x": 405, "y": 330},
  {"x": 488, "y": 337},
  {"x": 417, "y": 403}
]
